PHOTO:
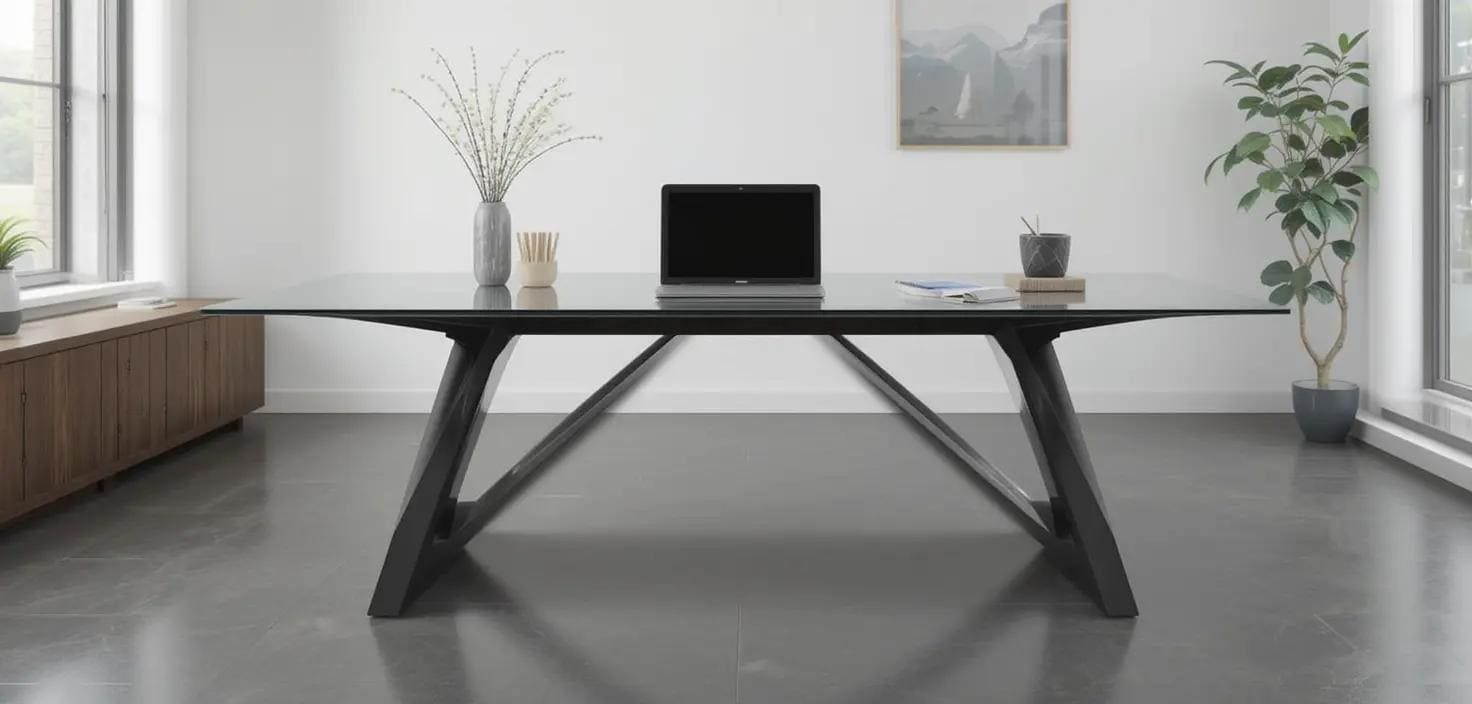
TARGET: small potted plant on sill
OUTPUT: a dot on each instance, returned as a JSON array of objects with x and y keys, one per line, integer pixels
[
  {"x": 496, "y": 130},
  {"x": 15, "y": 242},
  {"x": 1308, "y": 154}
]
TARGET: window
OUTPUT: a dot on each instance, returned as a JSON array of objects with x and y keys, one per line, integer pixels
[
  {"x": 1449, "y": 185},
  {"x": 60, "y": 143}
]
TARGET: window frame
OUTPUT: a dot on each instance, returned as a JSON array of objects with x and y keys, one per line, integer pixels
[
  {"x": 61, "y": 168},
  {"x": 1437, "y": 186},
  {"x": 114, "y": 251}
]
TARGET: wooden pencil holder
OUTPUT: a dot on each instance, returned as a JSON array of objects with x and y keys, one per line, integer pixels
[
  {"x": 538, "y": 258},
  {"x": 538, "y": 274}
]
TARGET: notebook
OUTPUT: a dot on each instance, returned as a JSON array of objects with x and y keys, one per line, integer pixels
[{"x": 957, "y": 291}]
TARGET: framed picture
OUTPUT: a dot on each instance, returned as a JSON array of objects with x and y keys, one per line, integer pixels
[{"x": 983, "y": 73}]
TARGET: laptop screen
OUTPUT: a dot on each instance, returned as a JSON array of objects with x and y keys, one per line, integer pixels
[{"x": 740, "y": 234}]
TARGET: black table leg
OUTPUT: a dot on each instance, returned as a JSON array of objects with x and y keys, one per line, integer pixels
[
  {"x": 1079, "y": 519},
  {"x": 1071, "y": 524},
  {"x": 474, "y": 367},
  {"x": 435, "y": 525}
]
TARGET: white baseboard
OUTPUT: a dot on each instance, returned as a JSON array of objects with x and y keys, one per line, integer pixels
[
  {"x": 1434, "y": 457},
  {"x": 766, "y": 401}
]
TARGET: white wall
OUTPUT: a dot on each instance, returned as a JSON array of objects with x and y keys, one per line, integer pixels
[
  {"x": 302, "y": 164},
  {"x": 158, "y": 179},
  {"x": 1397, "y": 255}
]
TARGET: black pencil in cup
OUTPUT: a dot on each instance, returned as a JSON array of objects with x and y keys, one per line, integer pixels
[{"x": 538, "y": 257}]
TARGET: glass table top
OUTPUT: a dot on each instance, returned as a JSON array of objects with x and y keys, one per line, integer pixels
[{"x": 633, "y": 294}]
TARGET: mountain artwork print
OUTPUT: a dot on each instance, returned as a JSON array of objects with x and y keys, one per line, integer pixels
[{"x": 983, "y": 73}]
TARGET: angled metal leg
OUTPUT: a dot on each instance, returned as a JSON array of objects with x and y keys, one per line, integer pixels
[
  {"x": 473, "y": 516},
  {"x": 433, "y": 525},
  {"x": 1078, "y": 506},
  {"x": 998, "y": 487},
  {"x": 1071, "y": 524},
  {"x": 449, "y": 439}
]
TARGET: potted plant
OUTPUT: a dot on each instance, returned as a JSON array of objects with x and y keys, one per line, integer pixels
[
  {"x": 496, "y": 131},
  {"x": 1307, "y": 151},
  {"x": 15, "y": 242}
]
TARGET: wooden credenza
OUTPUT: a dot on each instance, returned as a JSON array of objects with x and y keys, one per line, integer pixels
[{"x": 85, "y": 396}]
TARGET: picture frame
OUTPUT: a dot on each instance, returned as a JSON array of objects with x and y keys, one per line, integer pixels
[{"x": 961, "y": 66}]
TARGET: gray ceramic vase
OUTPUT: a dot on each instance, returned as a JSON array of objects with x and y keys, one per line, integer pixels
[
  {"x": 1045, "y": 256},
  {"x": 492, "y": 244},
  {"x": 1325, "y": 415}
]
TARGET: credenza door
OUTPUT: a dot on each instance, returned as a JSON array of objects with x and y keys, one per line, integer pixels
[
  {"x": 12, "y": 437},
  {"x": 63, "y": 420},
  {"x": 134, "y": 388}
]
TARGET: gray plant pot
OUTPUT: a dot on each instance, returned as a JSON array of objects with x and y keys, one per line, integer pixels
[
  {"x": 492, "y": 244},
  {"x": 1325, "y": 415},
  {"x": 1045, "y": 256},
  {"x": 10, "y": 313}
]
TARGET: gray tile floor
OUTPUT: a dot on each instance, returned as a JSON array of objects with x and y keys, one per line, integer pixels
[{"x": 766, "y": 559}]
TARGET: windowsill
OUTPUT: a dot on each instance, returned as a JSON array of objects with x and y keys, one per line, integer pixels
[
  {"x": 59, "y": 299},
  {"x": 1431, "y": 430},
  {"x": 1440, "y": 416}
]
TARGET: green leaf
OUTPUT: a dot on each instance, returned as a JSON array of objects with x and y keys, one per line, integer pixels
[
  {"x": 1293, "y": 222},
  {"x": 1344, "y": 249},
  {"x": 1313, "y": 168},
  {"x": 1249, "y": 199},
  {"x": 1269, "y": 180},
  {"x": 1287, "y": 203},
  {"x": 1301, "y": 278},
  {"x": 1359, "y": 78},
  {"x": 1277, "y": 273},
  {"x": 1332, "y": 149},
  {"x": 1367, "y": 175},
  {"x": 1268, "y": 110},
  {"x": 1228, "y": 64},
  {"x": 1292, "y": 169},
  {"x": 1232, "y": 160},
  {"x": 1347, "y": 179},
  {"x": 1345, "y": 48},
  {"x": 1281, "y": 295},
  {"x": 1346, "y": 210},
  {"x": 1321, "y": 50},
  {"x": 1249, "y": 102},
  {"x": 1296, "y": 142},
  {"x": 1310, "y": 102},
  {"x": 1360, "y": 123},
  {"x": 1311, "y": 215},
  {"x": 1326, "y": 212},
  {"x": 1212, "y": 165},
  {"x": 1335, "y": 126},
  {"x": 1326, "y": 192},
  {"x": 1257, "y": 68},
  {"x": 1339, "y": 104},
  {"x": 1322, "y": 292},
  {"x": 1252, "y": 143},
  {"x": 1277, "y": 76}
]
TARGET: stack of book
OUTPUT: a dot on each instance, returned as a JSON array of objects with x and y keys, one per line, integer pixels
[{"x": 1059, "y": 284}]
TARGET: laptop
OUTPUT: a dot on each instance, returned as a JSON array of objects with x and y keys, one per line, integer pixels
[{"x": 733, "y": 241}]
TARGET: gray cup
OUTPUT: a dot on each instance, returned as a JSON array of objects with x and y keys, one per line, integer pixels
[{"x": 1045, "y": 256}]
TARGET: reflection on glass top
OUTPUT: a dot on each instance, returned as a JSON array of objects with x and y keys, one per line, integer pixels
[{"x": 633, "y": 294}]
